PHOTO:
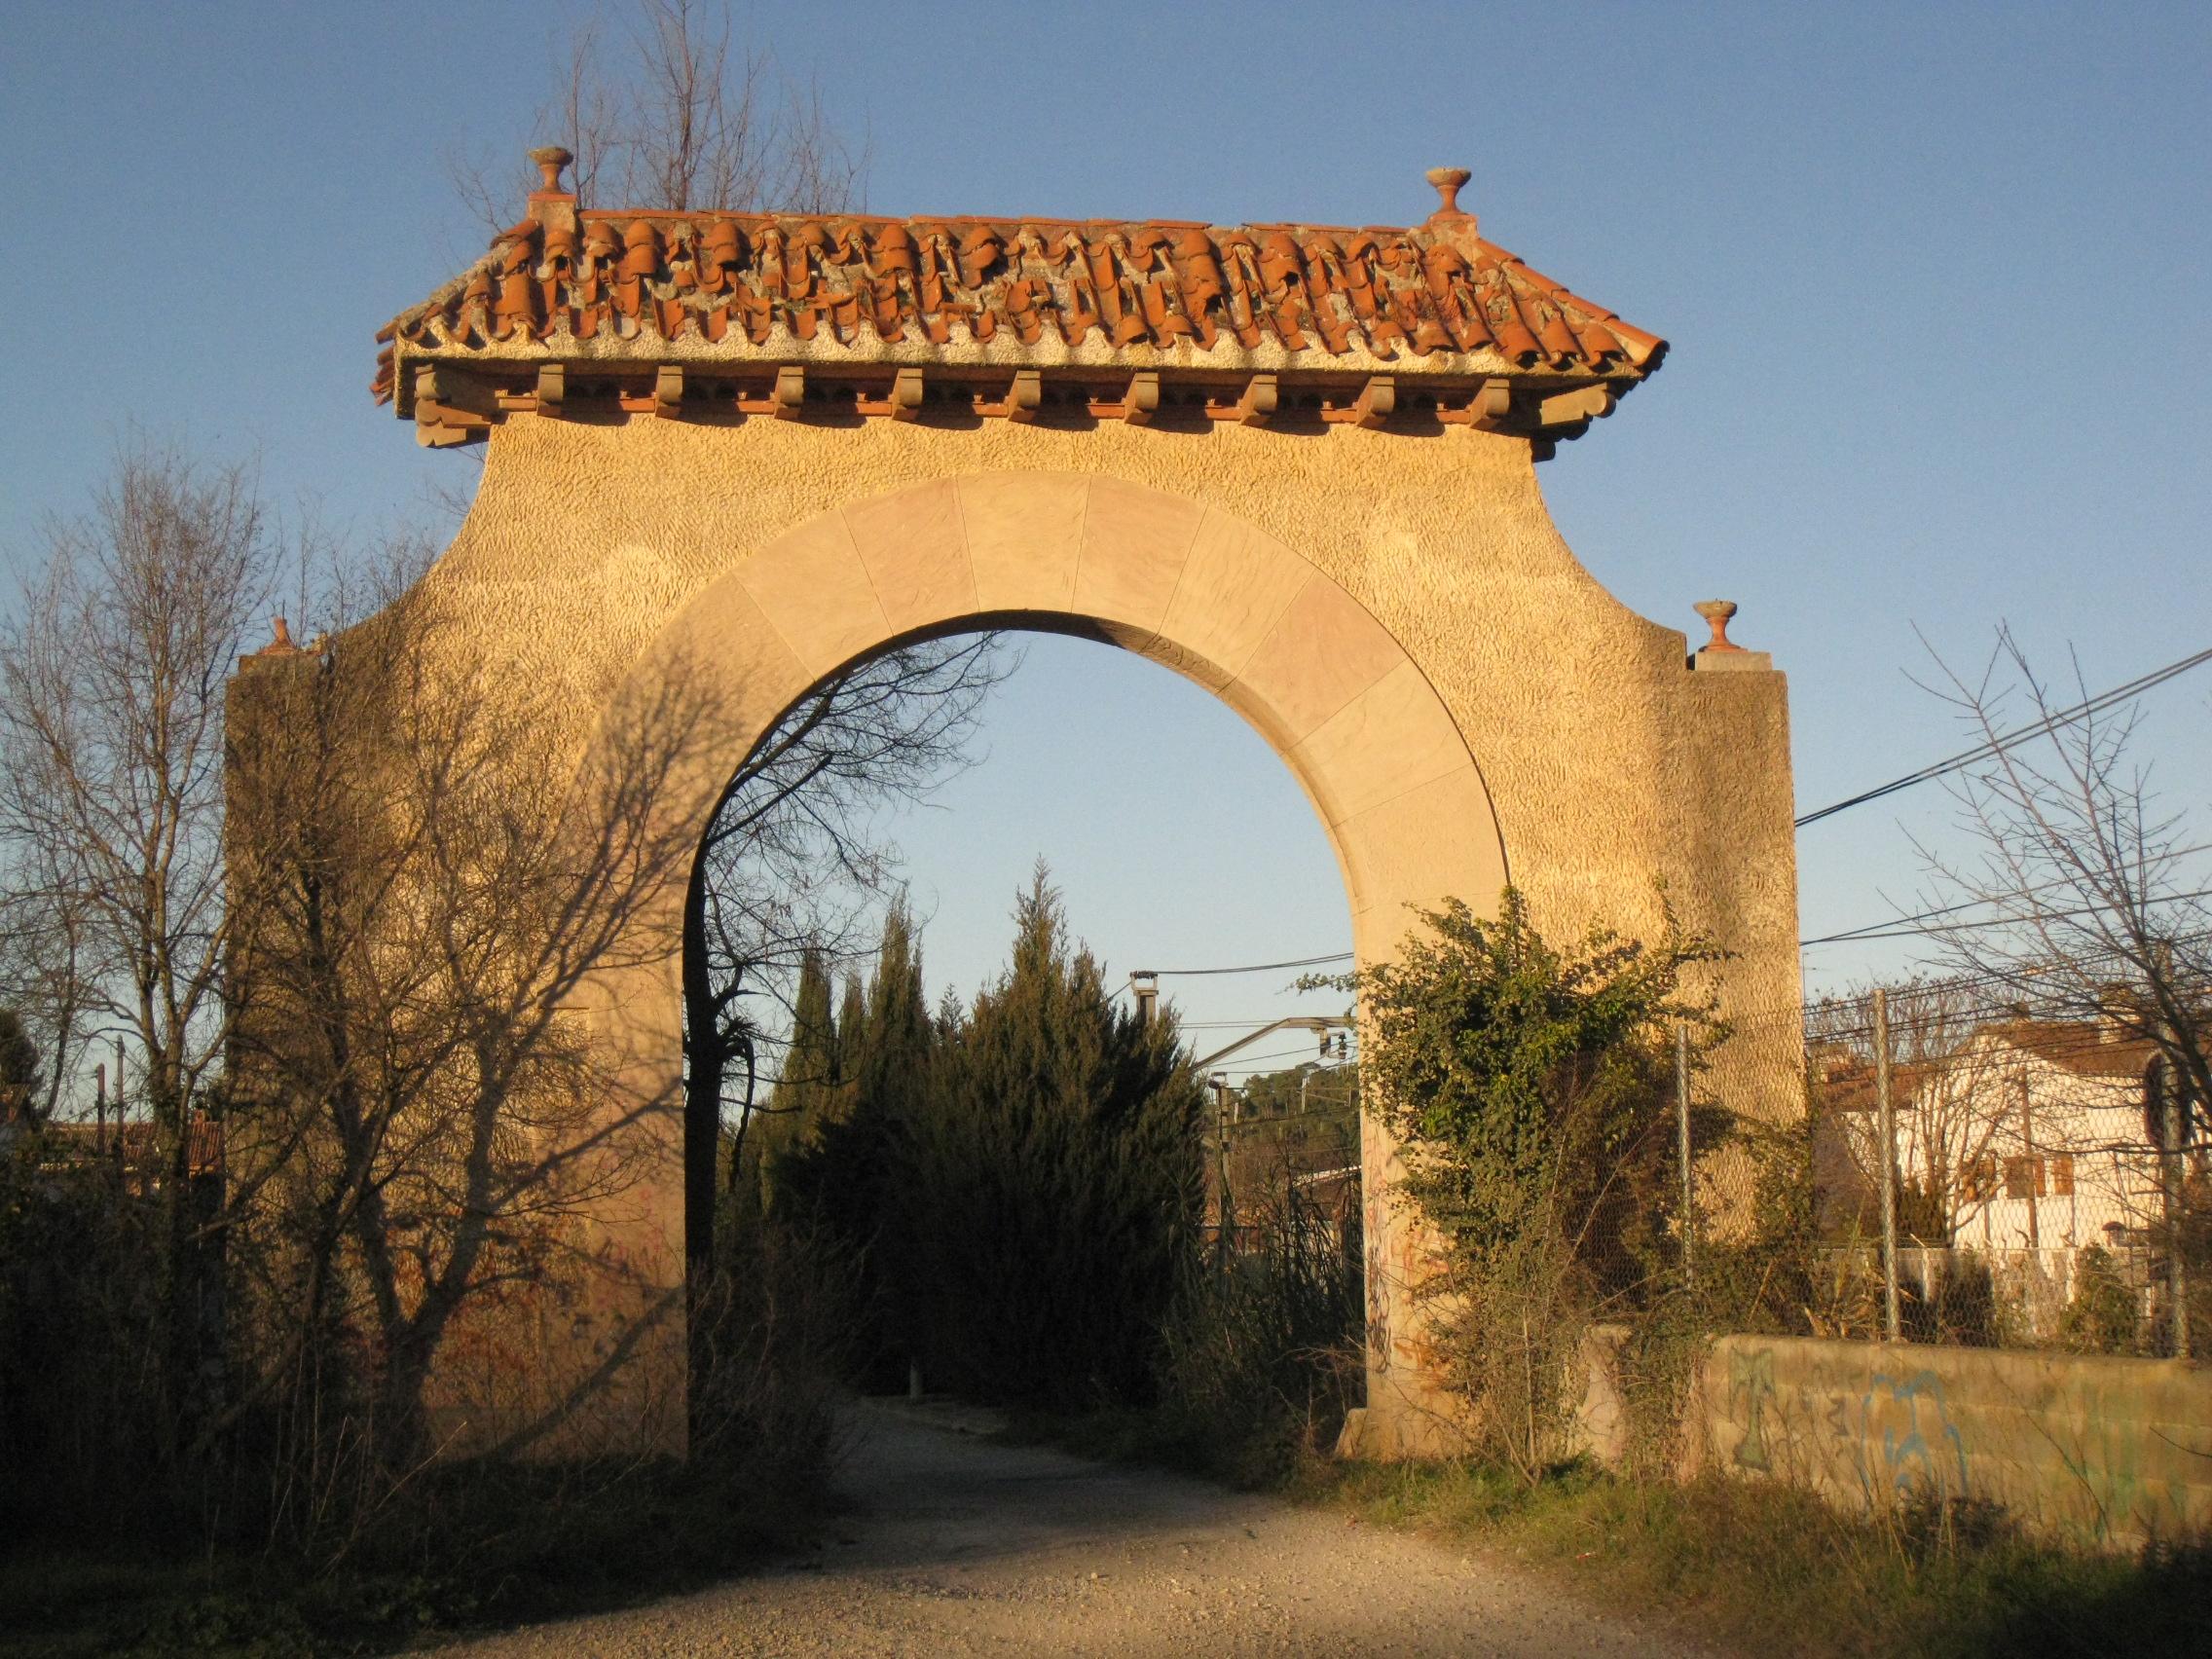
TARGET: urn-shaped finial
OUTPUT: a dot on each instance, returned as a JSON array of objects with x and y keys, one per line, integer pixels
[
  {"x": 1717, "y": 612},
  {"x": 1448, "y": 182},
  {"x": 550, "y": 160}
]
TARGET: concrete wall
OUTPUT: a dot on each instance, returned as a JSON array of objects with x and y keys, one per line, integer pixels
[
  {"x": 1394, "y": 614},
  {"x": 2099, "y": 1451}
]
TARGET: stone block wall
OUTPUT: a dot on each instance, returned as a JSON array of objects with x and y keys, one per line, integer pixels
[{"x": 2090, "y": 1450}]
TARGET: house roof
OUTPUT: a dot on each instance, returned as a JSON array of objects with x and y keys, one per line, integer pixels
[
  {"x": 2080, "y": 1047},
  {"x": 1847, "y": 1083},
  {"x": 140, "y": 1145},
  {"x": 577, "y": 284}
]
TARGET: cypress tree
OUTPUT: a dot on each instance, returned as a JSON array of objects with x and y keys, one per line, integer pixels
[
  {"x": 849, "y": 1178},
  {"x": 1053, "y": 1186},
  {"x": 806, "y": 1095},
  {"x": 852, "y": 1020}
]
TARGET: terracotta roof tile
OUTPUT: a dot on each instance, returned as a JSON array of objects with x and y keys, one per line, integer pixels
[
  {"x": 140, "y": 1147},
  {"x": 1431, "y": 299}
]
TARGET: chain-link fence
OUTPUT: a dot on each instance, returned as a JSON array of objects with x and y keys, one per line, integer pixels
[
  {"x": 1968, "y": 1172},
  {"x": 1964, "y": 1172}
]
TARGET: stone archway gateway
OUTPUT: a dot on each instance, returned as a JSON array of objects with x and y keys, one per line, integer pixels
[{"x": 1294, "y": 463}]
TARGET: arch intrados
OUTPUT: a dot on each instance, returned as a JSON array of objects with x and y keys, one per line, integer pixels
[{"x": 1201, "y": 591}]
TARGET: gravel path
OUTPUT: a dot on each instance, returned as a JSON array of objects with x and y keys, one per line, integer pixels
[{"x": 960, "y": 1546}]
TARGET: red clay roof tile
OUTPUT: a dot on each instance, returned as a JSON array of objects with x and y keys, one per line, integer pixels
[{"x": 1319, "y": 292}]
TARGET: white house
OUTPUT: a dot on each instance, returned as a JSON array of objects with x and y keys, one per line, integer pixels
[{"x": 2034, "y": 1132}]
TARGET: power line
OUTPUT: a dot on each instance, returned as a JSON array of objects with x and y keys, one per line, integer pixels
[
  {"x": 1867, "y": 930},
  {"x": 1258, "y": 1019},
  {"x": 1998, "y": 745},
  {"x": 1251, "y": 1062},
  {"x": 2021, "y": 981},
  {"x": 1248, "y": 968},
  {"x": 1904, "y": 931}
]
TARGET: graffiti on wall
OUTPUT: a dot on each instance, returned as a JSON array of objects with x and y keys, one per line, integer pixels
[
  {"x": 2097, "y": 1449},
  {"x": 1907, "y": 1436},
  {"x": 1750, "y": 1389},
  {"x": 1895, "y": 1435}
]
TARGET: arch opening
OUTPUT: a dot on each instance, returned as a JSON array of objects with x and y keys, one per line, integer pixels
[
  {"x": 1058, "y": 783},
  {"x": 1344, "y": 705},
  {"x": 1330, "y": 691}
]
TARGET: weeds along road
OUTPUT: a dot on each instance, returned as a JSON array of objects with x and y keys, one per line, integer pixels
[{"x": 960, "y": 1546}]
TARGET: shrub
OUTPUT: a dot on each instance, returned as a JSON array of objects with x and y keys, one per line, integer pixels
[
  {"x": 1262, "y": 1360},
  {"x": 81, "y": 1261},
  {"x": 2100, "y": 1316},
  {"x": 1533, "y": 1090}
]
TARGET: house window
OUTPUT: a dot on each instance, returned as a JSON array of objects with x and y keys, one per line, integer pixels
[
  {"x": 2060, "y": 1165},
  {"x": 2023, "y": 1177}
]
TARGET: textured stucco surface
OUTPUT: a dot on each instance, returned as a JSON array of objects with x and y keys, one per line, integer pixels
[{"x": 1395, "y": 614}]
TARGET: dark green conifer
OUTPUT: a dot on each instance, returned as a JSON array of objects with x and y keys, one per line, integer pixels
[
  {"x": 807, "y": 1093},
  {"x": 1055, "y": 1181}
]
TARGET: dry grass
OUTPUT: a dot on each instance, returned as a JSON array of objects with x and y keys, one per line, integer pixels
[
  {"x": 1764, "y": 1568},
  {"x": 491, "y": 1547}
]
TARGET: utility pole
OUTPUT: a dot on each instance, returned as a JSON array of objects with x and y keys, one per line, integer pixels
[
  {"x": 2171, "y": 1121},
  {"x": 2173, "y": 1127},
  {"x": 2033, "y": 1164},
  {"x": 1145, "y": 985},
  {"x": 1682, "y": 1128},
  {"x": 1893, "y": 1323},
  {"x": 1225, "y": 1211}
]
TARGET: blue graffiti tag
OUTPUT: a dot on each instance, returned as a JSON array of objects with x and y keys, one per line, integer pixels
[{"x": 1922, "y": 1449}]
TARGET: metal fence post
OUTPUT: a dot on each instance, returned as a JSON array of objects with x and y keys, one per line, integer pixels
[
  {"x": 1893, "y": 1323},
  {"x": 1682, "y": 1126},
  {"x": 2171, "y": 1169}
]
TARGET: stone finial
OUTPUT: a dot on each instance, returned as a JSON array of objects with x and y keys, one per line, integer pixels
[
  {"x": 1717, "y": 612},
  {"x": 280, "y": 640},
  {"x": 550, "y": 160},
  {"x": 1447, "y": 181}
]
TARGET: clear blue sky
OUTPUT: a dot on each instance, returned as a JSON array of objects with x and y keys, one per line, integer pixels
[{"x": 1932, "y": 274}]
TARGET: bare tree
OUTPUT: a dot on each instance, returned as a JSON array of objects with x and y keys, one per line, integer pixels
[
  {"x": 1949, "y": 1110},
  {"x": 794, "y": 862},
  {"x": 671, "y": 111},
  {"x": 112, "y": 706},
  {"x": 2078, "y": 899},
  {"x": 111, "y": 740},
  {"x": 421, "y": 1117}
]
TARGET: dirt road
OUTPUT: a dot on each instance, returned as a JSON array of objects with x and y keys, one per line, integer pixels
[{"x": 960, "y": 1546}]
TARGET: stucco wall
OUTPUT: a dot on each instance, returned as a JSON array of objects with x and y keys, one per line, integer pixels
[{"x": 1607, "y": 764}]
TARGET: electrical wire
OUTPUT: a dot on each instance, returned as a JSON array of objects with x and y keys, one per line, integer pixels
[
  {"x": 1248, "y": 968},
  {"x": 1998, "y": 745},
  {"x": 1251, "y": 1061},
  {"x": 1905, "y": 932},
  {"x": 1252, "y": 1025},
  {"x": 1868, "y": 929}
]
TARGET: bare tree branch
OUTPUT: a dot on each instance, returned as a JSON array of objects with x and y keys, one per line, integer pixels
[
  {"x": 2078, "y": 900},
  {"x": 671, "y": 111}
]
